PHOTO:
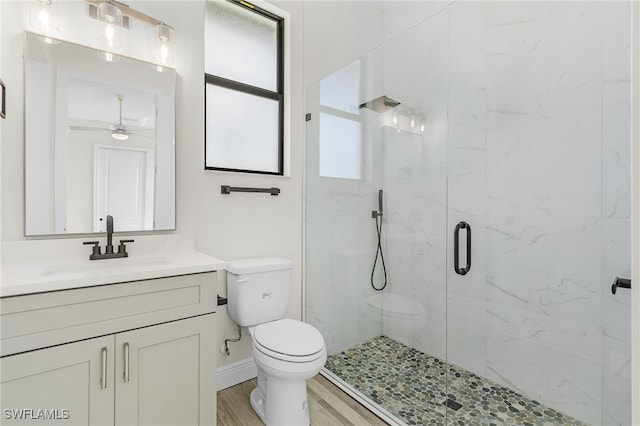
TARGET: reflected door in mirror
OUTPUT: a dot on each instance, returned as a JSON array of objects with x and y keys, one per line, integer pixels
[{"x": 124, "y": 188}]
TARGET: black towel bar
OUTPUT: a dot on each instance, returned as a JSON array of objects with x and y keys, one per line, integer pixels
[{"x": 226, "y": 189}]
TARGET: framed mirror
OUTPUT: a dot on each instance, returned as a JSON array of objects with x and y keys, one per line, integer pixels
[{"x": 99, "y": 140}]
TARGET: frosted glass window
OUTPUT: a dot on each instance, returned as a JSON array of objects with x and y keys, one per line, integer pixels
[
  {"x": 242, "y": 131},
  {"x": 241, "y": 45},
  {"x": 340, "y": 147},
  {"x": 244, "y": 87}
]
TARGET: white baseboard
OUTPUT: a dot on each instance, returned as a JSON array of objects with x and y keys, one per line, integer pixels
[{"x": 238, "y": 372}]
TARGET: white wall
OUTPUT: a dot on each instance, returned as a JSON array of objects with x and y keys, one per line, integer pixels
[
  {"x": 13, "y": 21},
  {"x": 236, "y": 225},
  {"x": 225, "y": 226},
  {"x": 635, "y": 184}
]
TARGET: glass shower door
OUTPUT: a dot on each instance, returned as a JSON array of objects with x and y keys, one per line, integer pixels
[
  {"x": 414, "y": 177},
  {"x": 376, "y": 220},
  {"x": 538, "y": 167},
  {"x": 339, "y": 240},
  {"x": 509, "y": 122}
]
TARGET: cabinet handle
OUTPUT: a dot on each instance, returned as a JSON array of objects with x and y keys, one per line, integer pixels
[
  {"x": 126, "y": 362},
  {"x": 103, "y": 379}
]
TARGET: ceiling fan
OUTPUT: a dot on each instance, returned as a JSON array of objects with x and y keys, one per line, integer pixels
[{"x": 118, "y": 131}]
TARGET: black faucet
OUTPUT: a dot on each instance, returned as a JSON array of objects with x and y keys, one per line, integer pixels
[
  {"x": 109, "y": 247},
  {"x": 96, "y": 253}
]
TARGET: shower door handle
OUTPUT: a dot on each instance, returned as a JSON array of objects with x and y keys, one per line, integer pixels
[{"x": 456, "y": 248}]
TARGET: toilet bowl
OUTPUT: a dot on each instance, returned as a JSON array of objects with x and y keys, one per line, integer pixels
[{"x": 287, "y": 352}]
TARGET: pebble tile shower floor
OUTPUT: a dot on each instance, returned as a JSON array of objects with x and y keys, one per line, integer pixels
[{"x": 413, "y": 386}]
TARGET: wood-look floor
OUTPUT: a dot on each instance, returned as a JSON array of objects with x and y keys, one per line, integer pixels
[{"x": 328, "y": 406}]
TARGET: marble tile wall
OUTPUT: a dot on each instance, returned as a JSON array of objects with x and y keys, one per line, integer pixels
[
  {"x": 538, "y": 164},
  {"x": 616, "y": 212}
]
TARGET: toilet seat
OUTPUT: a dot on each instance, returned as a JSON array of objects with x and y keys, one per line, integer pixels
[{"x": 289, "y": 340}]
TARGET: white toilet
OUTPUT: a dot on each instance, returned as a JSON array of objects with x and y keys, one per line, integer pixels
[{"x": 287, "y": 352}]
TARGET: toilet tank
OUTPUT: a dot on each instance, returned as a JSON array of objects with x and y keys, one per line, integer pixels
[{"x": 258, "y": 289}]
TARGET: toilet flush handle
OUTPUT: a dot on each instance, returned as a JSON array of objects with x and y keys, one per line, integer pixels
[{"x": 242, "y": 280}]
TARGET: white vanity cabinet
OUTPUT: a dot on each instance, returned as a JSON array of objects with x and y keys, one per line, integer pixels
[
  {"x": 63, "y": 380},
  {"x": 165, "y": 375},
  {"x": 131, "y": 353}
]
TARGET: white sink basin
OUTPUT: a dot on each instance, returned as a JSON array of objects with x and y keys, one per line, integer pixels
[{"x": 104, "y": 266}]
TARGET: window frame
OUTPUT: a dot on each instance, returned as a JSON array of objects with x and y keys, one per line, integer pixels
[{"x": 279, "y": 95}]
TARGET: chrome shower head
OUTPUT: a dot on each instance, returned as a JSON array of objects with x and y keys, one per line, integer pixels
[{"x": 381, "y": 104}]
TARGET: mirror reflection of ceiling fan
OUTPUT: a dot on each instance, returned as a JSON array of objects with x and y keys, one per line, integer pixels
[{"x": 118, "y": 131}]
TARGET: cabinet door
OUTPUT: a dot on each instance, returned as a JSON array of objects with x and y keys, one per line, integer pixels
[
  {"x": 69, "y": 384},
  {"x": 166, "y": 373}
]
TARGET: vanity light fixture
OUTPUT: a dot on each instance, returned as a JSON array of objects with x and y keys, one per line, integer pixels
[
  {"x": 164, "y": 44},
  {"x": 111, "y": 35},
  {"x": 116, "y": 17},
  {"x": 407, "y": 119},
  {"x": 43, "y": 16}
]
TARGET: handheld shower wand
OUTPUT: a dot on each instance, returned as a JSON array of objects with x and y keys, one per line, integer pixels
[{"x": 375, "y": 215}]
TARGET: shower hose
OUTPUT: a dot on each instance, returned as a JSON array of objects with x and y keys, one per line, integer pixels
[{"x": 380, "y": 254}]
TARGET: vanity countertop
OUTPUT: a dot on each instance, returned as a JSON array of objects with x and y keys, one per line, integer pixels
[{"x": 36, "y": 277}]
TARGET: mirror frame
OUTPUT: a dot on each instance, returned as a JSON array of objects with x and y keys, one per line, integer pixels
[{"x": 45, "y": 202}]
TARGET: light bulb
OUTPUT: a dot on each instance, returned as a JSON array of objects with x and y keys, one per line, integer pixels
[
  {"x": 44, "y": 19},
  {"x": 109, "y": 35},
  {"x": 164, "y": 53},
  {"x": 119, "y": 134},
  {"x": 165, "y": 44}
]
